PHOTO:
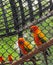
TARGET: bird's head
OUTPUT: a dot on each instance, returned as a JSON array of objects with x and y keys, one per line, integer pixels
[
  {"x": 1, "y": 59},
  {"x": 10, "y": 58},
  {"x": 33, "y": 28},
  {"x": 21, "y": 40}
]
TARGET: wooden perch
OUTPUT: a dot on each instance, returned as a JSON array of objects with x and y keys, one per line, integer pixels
[{"x": 34, "y": 52}]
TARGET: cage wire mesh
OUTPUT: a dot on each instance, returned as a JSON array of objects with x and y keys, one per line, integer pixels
[{"x": 15, "y": 15}]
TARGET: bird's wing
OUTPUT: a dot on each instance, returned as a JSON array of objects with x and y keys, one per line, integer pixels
[
  {"x": 28, "y": 46},
  {"x": 42, "y": 39}
]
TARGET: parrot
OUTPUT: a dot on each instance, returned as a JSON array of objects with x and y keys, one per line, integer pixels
[
  {"x": 1, "y": 60},
  {"x": 10, "y": 58},
  {"x": 39, "y": 39},
  {"x": 25, "y": 48}
]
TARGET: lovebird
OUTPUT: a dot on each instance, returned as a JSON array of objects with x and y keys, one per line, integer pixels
[
  {"x": 25, "y": 48},
  {"x": 2, "y": 60},
  {"x": 10, "y": 58},
  {"x": 39, "y": 38}
]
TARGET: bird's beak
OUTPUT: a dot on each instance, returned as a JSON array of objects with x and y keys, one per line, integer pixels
[{"x": 31, "y": 31}]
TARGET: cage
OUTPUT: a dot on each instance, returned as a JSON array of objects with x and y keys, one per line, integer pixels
[{"x": 16, "y": 17}]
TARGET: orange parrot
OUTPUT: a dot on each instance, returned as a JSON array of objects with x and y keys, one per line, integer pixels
[
  {"x": 10, "y": 58},
  {"x": 1, "y": 59},
  {"x": 24, "y": 45},
  {"x": 39, "y": 38},
  {"x": 25, "y": 48}
]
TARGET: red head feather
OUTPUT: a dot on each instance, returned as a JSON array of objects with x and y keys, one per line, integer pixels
[
  {"x": 1, "y": 59},
  {"x": 33, "y": 28},
  {"x": 10, "y": 57}
]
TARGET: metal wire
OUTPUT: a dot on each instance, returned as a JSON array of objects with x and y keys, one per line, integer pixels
[{"x": 16, "y": 16}]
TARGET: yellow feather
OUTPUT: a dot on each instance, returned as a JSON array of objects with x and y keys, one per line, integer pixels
[
  {"x": 43, "y": 36},
  {"x": 28, "y": 45}
]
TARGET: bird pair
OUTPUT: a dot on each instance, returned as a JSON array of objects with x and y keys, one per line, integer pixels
[
  {"x": 39, "y": 39},
  {"x": 2, "y": 60}
]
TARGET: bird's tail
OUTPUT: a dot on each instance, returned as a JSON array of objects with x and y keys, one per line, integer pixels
[{"x": 48, "y": 52}]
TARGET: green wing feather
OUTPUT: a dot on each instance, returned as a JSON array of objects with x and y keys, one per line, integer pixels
[
  {"x": 42, "y": 40},
  {"x": 27, "y": 49}
]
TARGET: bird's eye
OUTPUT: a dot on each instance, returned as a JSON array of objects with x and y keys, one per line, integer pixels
[{"x": 21, "y": 42}]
